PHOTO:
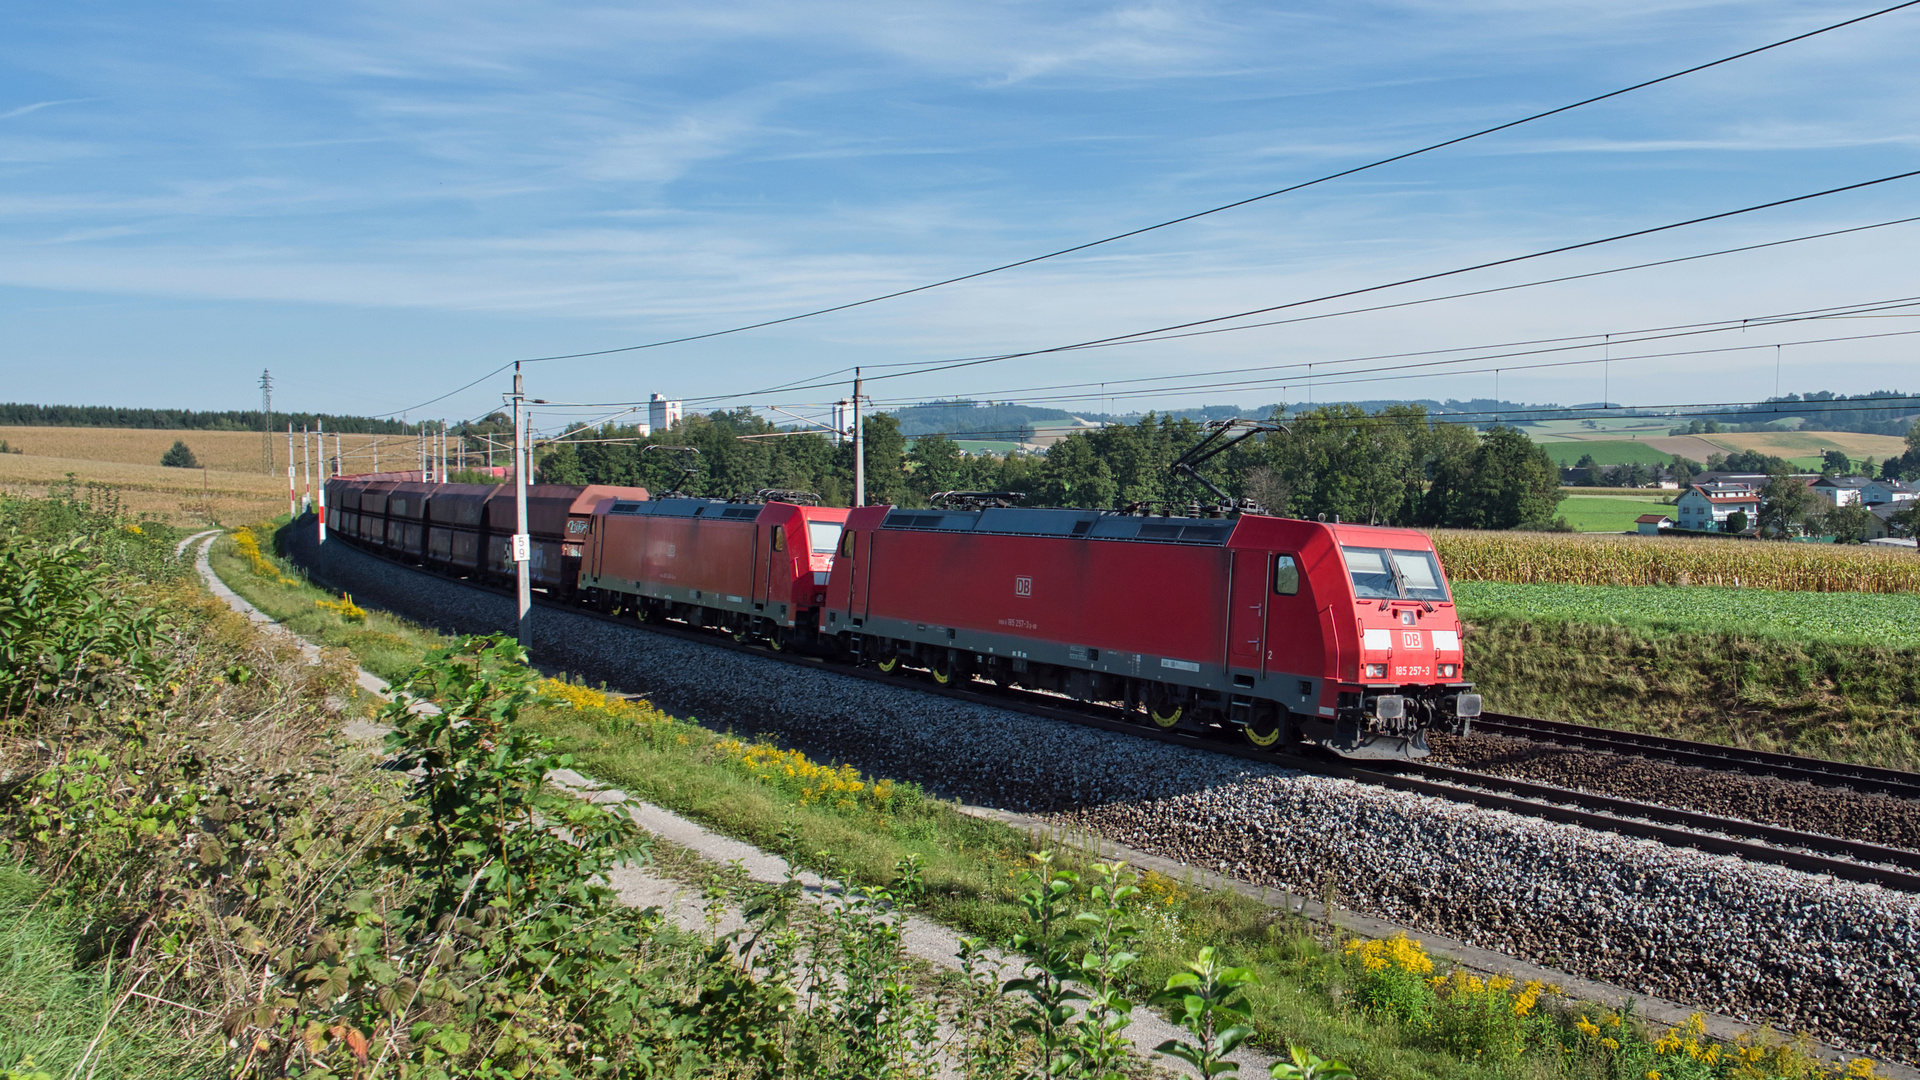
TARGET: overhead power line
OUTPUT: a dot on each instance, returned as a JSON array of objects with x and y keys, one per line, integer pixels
[
  {"x": 1529, "y": 413},
  {"x": 1120, "y": 387},
  {"x": 949, "y": 365},
  {"x": 1402, "y": 156}
]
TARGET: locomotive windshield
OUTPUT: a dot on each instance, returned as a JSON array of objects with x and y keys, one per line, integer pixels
[
  {"x": 1383, "y": 574},
  {"x": 823, "y": 536}
]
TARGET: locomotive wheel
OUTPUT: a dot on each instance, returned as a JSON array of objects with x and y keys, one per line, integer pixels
[
  {"x": 890, "y": 665},
  {"x": 944, "y": 669},
  {"x": 742, "y": 632},
  {"x": 1163, "y": 710},
  {"x": 1264, "y": 729},
  {"x": 777, "y": 638}
]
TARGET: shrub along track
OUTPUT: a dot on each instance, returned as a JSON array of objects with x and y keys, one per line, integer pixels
[{"x": 1832, "y": 957}]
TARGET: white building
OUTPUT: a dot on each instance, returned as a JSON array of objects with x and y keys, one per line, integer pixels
[
  {"x": 1840, "y": 490},
  {"x": 1706, "y": 507},
  {"x": 662, "y": 414}
]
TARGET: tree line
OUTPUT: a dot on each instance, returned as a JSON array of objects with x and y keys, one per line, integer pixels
[
  {"x": 107, "y": 416},
  {"x": 1396, "y": 466}
]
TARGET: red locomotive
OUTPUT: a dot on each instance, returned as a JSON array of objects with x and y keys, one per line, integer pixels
[
  {"x": 756, "y": 569},
  {"x": 1289, "y": 631},
  {"x": 1284, "y": 629}
]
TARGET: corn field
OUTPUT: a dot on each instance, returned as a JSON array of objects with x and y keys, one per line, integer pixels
[{"x": 1572, "y": 559}]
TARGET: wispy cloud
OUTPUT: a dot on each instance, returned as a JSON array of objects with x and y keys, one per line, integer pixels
[{"x": 38, "y": 105}]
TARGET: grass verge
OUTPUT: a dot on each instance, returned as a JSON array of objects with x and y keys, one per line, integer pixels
[{"x": 60, "y": 1014}]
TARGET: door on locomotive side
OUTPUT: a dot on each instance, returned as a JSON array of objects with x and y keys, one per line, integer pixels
[{"x": 1247, "y": 610}]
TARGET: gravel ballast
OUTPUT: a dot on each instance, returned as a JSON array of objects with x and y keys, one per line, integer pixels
[{"x": 1760, "y": 943}]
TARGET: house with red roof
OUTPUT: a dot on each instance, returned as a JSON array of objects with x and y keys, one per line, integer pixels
[{"x": 1707, "y": 507}]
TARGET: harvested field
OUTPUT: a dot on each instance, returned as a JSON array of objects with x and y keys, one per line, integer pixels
[
  {"x": 227, "y": 451},
  {"x": 175, "y": 496},
  {"x": 1792, "y": 444}
]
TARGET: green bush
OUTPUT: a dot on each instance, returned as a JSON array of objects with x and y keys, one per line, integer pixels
[{"x": 179, "y": 456}]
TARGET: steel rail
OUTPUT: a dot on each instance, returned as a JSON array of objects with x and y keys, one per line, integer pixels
[
  {"x": 1807, "y": 852},
  {"x": 1863, "y": 778}
]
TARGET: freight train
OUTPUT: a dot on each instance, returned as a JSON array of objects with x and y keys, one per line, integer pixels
[{"x": 1293, "y": 633}]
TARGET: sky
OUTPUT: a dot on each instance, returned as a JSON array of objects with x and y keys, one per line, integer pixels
[{"x": 383, "y": 202}]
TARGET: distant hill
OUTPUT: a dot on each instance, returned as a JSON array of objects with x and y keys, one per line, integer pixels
[
  {"x": 975, "y": 420},
  {"x": 14, "y": 414}
]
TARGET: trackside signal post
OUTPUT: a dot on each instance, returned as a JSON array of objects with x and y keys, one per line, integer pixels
[{"x": 522, "y": 543}]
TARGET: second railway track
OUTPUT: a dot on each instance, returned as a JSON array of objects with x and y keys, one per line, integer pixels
[{"x": 1862, "y": 778}]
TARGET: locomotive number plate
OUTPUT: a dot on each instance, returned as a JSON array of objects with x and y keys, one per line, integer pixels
[{"x": 1411, "y": 671}]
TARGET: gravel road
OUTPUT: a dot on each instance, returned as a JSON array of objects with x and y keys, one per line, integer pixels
[{"x": 1836, "y": 959}]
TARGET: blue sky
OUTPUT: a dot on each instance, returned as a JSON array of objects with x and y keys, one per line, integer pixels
[{"x": 380, "y": 202}]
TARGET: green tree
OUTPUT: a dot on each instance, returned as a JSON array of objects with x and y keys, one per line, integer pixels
[
  {"x": 1737, "y": 522},
  {"x": 1835, "y": 463},
  {"x": 1342, "y": 462},
  {"x": 180, "y": 457},
  {"x": 1074, "y": 474},
  {"x": 1849, "y": 524},
  {"x": 561, "y": 465},
  {"x": 1784, "y": 503},
  {"x": 1507, "y": 483},
  {"x": 936, "y": 463}
]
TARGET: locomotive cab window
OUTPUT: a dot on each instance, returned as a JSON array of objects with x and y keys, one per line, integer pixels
[
  {"x": 846, "y": 544},
  {"x": 779, "y": 538},
  {"x": 1419, "y": 575},
  {"x": 1286, "y": 576},
  {"x": 823, "y": 535},
  {"x": 1379, "y": 574}
]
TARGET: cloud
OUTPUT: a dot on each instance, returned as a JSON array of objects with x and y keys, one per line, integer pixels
[{"x": 38, "y": 105}]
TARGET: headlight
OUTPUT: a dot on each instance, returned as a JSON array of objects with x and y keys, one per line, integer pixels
[
  {"x": 1376, "y": 671},
  {"x": 1449, "y": 671}
]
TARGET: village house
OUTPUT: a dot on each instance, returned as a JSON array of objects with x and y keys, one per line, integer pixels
[
  {"x": 1651, "y": 524},
  {"x": 1841, "y": 490},
  {"x": 1878, "y": 492},
  {"x": 1706, "y": 507},
  {"x": 1881, "y": 527}
]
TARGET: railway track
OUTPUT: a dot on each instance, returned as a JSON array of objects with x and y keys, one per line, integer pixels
[
  {"x": 1813, "y": 853},
  {"x": 1862, "y": 778}
]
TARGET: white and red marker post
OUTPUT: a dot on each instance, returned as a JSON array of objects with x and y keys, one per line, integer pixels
[
  {"x": 321, "y": 505},
  {"x": 293, "y": 496}
]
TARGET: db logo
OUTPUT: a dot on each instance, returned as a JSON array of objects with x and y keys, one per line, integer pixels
[
  {"x": 1023, "y": 586},
  {"x": 1410, "y": 639}
]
